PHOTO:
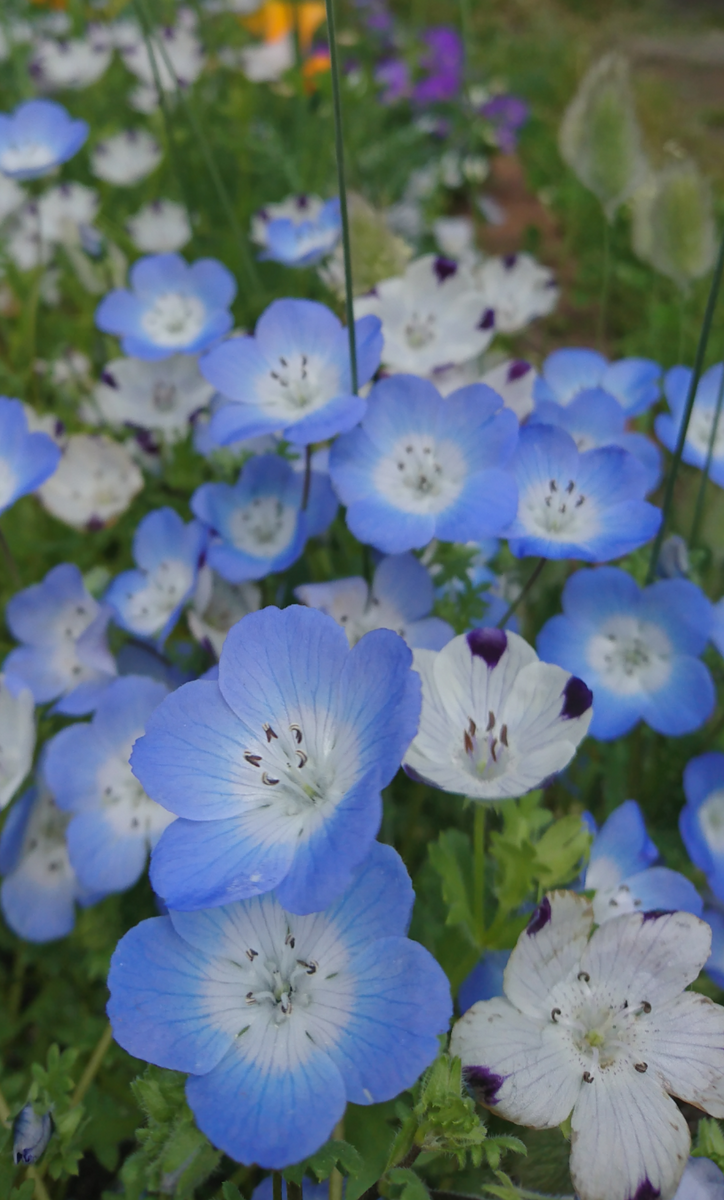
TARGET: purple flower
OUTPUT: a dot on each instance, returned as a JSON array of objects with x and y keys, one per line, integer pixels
[
  {"x": 444, "y": 65},
  {"x": 507, "y": 114},
  {"x": 394, "y": 77}
]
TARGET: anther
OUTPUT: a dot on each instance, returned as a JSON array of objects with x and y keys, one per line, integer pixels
[
  {"x": 250, "y": 998},
  {"x": 472, "y": 727},
  {"x": 269, "y": 732},
  {"x": 553, "y": 485},
  {"x": 265, "y": 778},
  {"x": 504, "y": 734},
  {"x": 583, "y": 975},
  {"x": 645, "y": 1006},
  {"x": 555, "y": 1014},
  {"x": 641, "y": 1067},
  {"x": 491, "y": 722},
  {"x": 302, "y": 757},
  {"x": 587, "y": 1077},
  {"x": 571, "y": 486},
  {"x": 252, "y": 954},
  {"x": 297, "y": 734},
  {"x": 468, "y": 742},
  {"x": 290, "y": 940},
  {"x": 253, "y": 759}
]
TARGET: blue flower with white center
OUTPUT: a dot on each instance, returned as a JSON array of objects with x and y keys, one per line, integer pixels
[
  {"x": 702, "y": 1180},
  {"x": 622, "y": 873},
  {"x": 566, "y": 374},
  {"x": 26, "y": 459},
  {"x": 305, "y": 239},
  {"x": 420, "y": 467},
  {"x": 37, "y": 138},
  {"x": 400, "y": 598},
  {"x": 171, "y": 307},
  {"x": 595, "y": 419},
  {"x": 40, "y": 888},
  {"x": 637, "y": 649},
  {"x": 113, "y": 824},
  {"x": 698, "y": 435},
  {"x": 168, "y": 553},
  {"x": 701, "y": 821},
  {"x": 485, "y": 980},
  {"x": 276, "y": 771},
  {"x": 276, "y": 1014},
  {"x": 31, "y": 1134},
  {"x": 64, "y": 654},
  {"x": 292, "y": 375},
  {"x": 259, "y": 523},
  {"x": 571, "y": 505}
]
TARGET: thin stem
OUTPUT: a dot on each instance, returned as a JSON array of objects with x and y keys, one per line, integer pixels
[
  {"x": 276, "y": 1185},
  {"x": 336, "y": 1181},
  {"x": 480, "y": 819},
  {"x": 532, "y": 578},
  {"x": 683, "y": 308},
  {"x": 605, "y": 285},
  {"x": 4, "y": 1109},
  {"x": 93, "y": 1066},
  {"x": 696, "y": 376},
  {"x": 701, "y": 497},
  {"x": 339, "y": 148},
  {"x": 307, "y": 477},
  {"x": 8, "y": 556},
  {"x": 294, "y": 1191}
]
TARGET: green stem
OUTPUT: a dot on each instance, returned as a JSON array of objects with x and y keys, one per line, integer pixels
[
  {"x": 336, "y": 1181},
  {"x": 8, "y": 556},
  {"x": 480, "y": 818},
  {"x": 701, "y": 497},
  {"x": 605, "y": 286},
  {"x": 696, "y": 376},
  {"x": 294, "y": 1191},
  {"x": 342, "y": 181},
  {"x": 93, "y": 1066},
  {"x": 4, "y": 1109},
  {"x": 276, "y": 1185},
  {"x": 532, "y": 579}
]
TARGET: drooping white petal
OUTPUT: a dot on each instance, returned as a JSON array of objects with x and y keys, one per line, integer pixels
[
  {"x": 646, "y": 957},
  {"x": 548, "y": 952},
  {"x": 683, "y": 1044},
  {"x": 17, "y": 739}
]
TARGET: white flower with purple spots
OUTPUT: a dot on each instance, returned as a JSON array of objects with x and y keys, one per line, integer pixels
[{"x": 518, "y": 289}]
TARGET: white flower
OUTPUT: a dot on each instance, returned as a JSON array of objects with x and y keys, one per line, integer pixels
[
  {"x": 75, "y": 63},
  {"x": 518, "y": 289},
  {"x": 217, "y": 605},
  {"x": 266, "y": 63},
  {"x": 153, "y": 395},
  {"x": 455, "y": 236},
  {"x": 513, "y": 379},
  {"x": 95, "y": 482},
  {"x": 178, "y": 55},
  {"x": 17, "y": 738},
  {"x": 431, "y": 316},
  {"x": 25, "y": 245},
  {"x": 46, "y": 423},
  {"x": 297, "y": 209},
  {"x": 495, "y": 720},
  {"x": 601, "y": 1030},
  {"x": 12, "y": 197},
  {"x": 64, "y": 209},
  {"x": 159, "y": 227},
  {"x": 126, "y": 158}
]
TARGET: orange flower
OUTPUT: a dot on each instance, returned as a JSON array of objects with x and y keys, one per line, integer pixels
[{"x": 275, "y": 19}]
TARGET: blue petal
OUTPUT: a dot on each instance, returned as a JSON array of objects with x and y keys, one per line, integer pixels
[
  {"x": 402, "y": 581},
  {"x": 104, "y": 860},
  {"x": 378, "y": 902},
  {"x": 684, "y": 703},
  {"x": 683, "y": 612},
  {"x": 659, "y": 888},
  {"x": 485, "y": 981},
  {"x": 635, "y": 382},
  {"x": 568, "y": 372},
  {"x": 377, "y": 523},
  {"x": 38, "y": 911},
  {"x": 621, "y": 848},
  {"x": 380, "y": 699}
]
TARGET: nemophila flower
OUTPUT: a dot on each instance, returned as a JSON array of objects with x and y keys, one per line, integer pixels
[
  {"x": 512, "y": 379},
  {"x": 431, "y": 316},
  {"x": 400, "y": 598},
  {"x": 126, "y": 158},
  {"x": 39, "y": 890},
  {"x": 485, "y": 980},
  {"x": 26, "y": 459},
  {"x": 64, "y": 210},
  {"x": 296, "y": 243},
  {"x": 596, "y": 1026},
  {"x": 278, "y": 1013},
  {"x": 12, "y": 197},
  {"x": 259, "y": 523},
  {"x": 95, "y": 481},
  {"x": 637, "y": 648},
  {"x": 622, "y": 872},
  {"x": 160, "y": 227},
  {"x": 113, "y": 823},
  {"x": 292, "y": 375},
  {"x": 698, "y": 435},
  {"x": 171, "y": 307},
  {"x": 517, "y": 289},
  {"x": 634, "y": 382},
  {"x": 178, "y": 58},
  {"x": 265, "y": 62},
  {"x": 17, "y": 736},
  {"x": 420, "y": 466},
  {"x": 161, "y": 396},
  {"x": 31, "y": 1134},
  {"x": 147, "y": 601},
  {"x": 702, "y": 1180},
  {"x": 455, "y": 237},
  {"x": 217, "y": 606},
  {"x": 596, "y": 419},
  {"x": 63, "y": 654},
  {"x": 589, "y": 506},
  {"x": 495, "y": 720},
  {"x": 701, "y": 820},
  {"x": 296, "y": 209},
  {"x": 37, "y": 137},
  {"x": 70, "y": 63},
  {"x": 275, "y": 771}
]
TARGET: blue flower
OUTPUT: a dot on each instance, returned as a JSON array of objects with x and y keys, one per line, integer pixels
[
  {"x": 485, "y": 980},
  {"x": 114, "y": 824},
  {"x": 276, "y": 771},
  {"x": 280, "y": 1020},
  {"x": 702, "y": 1179},
  {"x": 400, "y": 598},
  {"x": 622, "y": 874},
  {"x": 701, "y": 820},
  {"x": 420, "y": 467},
  {"x": 26, "y": 459},
  {"x": 148, "y": 601},
  {"x": 259, "y": 522},
  {"x": 588, "y": 506},
  {"x": 301, "y": 243},
  {"x": 172, "y": 308},
  {"x": 37, "y": 137},
  {"x": 595, "y": 419},
  {"x": 566, "y": 374},
  {"x": 636, "y": 648},
  {"x": 293, "y": 374},
  {"x": 714, "y": 918},
  {"x": 64, "y": 655},
  {"x": 698, "y": 435},
  {"x": 31, "y": 1134},
  {"x": 40, "y": 888}
]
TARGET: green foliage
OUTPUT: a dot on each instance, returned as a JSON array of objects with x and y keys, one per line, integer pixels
[
  {"x": 709, "y": 1141},
  {"x": 333, "y": 1154},
  {"x": 50, "y": 1092}
]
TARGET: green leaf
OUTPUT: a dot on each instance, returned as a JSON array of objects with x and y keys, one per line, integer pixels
[
  {"x": 407, "y": 1185},
  {"x": 230, "y": 1191},
  {"x": 709, "y": 1141},
  {"x": 451, "y": 856},
  {"x": 332, "y": 1154}
]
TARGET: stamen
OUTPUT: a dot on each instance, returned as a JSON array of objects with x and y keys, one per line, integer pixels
[
  {"x": 297, "y": 734},
  {"x": 268, "y": 780},
  {"x": 269, "y": 732},
  {"x": 587, "y": 1077},
  {"x": 504, "y": 734},
  {"x": 302, "y": 757},
  {"x": 583, "y": 975},
  {"x": 250, "y": 999},
  {"x": 645, "y": 1006},
  {"x": 290, "y": 940},
  {"x": 555, "y": 1014},
  {"x": 253, "y": 759},
  {"x": 252, "y": 954},
  {"x": 641, "y": 1067},
  {"x": 491, "y": 722},
  {"x": 468, "y": 742}
]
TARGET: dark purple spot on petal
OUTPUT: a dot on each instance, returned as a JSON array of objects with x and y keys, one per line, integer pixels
[
  {"x": 108, "y": 379},
  {"x": 517, "y": 370},
  {"x": 489, "y": 644},
  {"x": 550, "y": 283},
  {"x": 541, "y": 917},
  {"x": 302, "y": 202},
  {"x": 577, "y": 698},
  {"x": 483, "y": 1083},
  {"x": 653, "y": 915},
  {"x": 444, "y": 268},
  {"x": 646, "y": 1191},
  {"x": 487, "y": 321},
  {"x": 509, "y": 261},
  {"x": 94, "y": 525}
]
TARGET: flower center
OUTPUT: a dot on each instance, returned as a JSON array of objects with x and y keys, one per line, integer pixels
[
  {"x": 485, "y": 751},
  {"x": 151, "y": 606},
  {"x": 560, "y": 510},
  {"x": 631, "y": 656},
  {"x": 164, "y": 396},
  {"x": 700, "y": 430},
  {"x": 293, "y": 779},
  {"x": 264, "y": 527},
  {"x": 129, "y": 809},
  {"x": 599, "y": 1034},
  {"x": 420, "y": 330},
  {"x": 44, "y": 850},
  {"x": 174, "y": 319},
  {"x": 422, "y": 475},
  {"x": 280, "y": 985},
  {"x": 711, "y": 819},
  {"x": 298, "y": 382},
  {"x": 26, "y": 156}
]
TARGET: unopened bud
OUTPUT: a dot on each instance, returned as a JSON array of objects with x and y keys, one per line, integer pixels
[{"x": 31, "y": 1134}]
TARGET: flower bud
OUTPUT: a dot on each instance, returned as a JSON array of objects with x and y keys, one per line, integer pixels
[
  {"x": 31, "y": 1134},
  {"x": 673, "y": 226}
]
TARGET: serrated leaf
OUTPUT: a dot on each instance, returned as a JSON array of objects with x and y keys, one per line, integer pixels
[
  {"x": 333, "y": 1153},
  {"x": 452, "y": 859},
  {"x": 410, "y": 1186}
]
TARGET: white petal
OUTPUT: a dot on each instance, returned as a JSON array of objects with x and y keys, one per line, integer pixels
[
  {"x": 520, "y": 1068},
  {"x": 629, "y": 1140},
  {"x": 645, "y": 957},
  {"x": 532, "y": 711},
  {"x": 547, "y": 952},
  {"x": 683, "y": 1044}
]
